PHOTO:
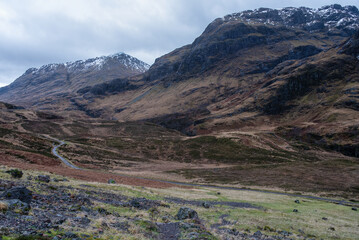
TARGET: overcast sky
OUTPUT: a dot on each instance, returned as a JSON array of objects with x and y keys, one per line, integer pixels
[{"x": 38, "y": 32}]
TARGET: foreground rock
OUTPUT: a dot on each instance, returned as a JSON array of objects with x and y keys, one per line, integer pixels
[
  {"x": 14, "y": 205},
  {"x": 15, "y": 173},
  {"x": 186, "y": 213},
  {"x": 20, "y": 193},
  {"x": 44, "y": 178}
]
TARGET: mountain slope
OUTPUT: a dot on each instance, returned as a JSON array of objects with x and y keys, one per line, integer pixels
[
  {"x": 55, "y": 81},
  {"x": 228, "y": 61},
  {"x": 243, "y": 72}
]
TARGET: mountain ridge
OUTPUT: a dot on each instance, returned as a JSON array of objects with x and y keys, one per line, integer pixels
[
  {"x": 63, "y": 79},
  {"x": 328, "y": 17}
]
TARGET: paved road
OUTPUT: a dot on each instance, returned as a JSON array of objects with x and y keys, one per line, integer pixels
[
  {"x": 54, "y": 151},
  {"x": 341, "y": 202}
]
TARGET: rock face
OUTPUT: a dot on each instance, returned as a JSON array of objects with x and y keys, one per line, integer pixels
[{"x": 64, "y": 79}]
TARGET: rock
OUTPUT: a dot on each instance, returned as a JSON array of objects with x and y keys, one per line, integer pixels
[
  {"x": 70, "y": 235},
  {"x": 21, "y": 193},
  {"x": 193, "y": 235},
  {"x": 4, "y": 231},
  {"x": 15, "y": 173},
  {"x": 29, "y": 178},
  {"x": 135, "y": 203},
  {"x": 15, "y": 205},
  {"x": 206, "y": 205},
  {"x": 186, "y": 213},
  {"x": 354, "y": 209},
  {"x": 297, "y": 201},
  {"x": 111, "y": 181},
  {"x": 285, "y": 233},
  {"x": 257, "y": 234},
  {"x": 295, "y": 210},
  {"x": 43, "y": 178},
  {"x": 165, "y": 219},
  {"x": 3, "y": 206},
  {"x": 60, "y": 180},
  {"x": 104, "y": 225},
  {"x": 103, "y": 211},
  {"x": 143, "y": 203},
  {"x": 59, "y": 221},
  {"x": 85, "y": 209},
  {"x": 170, "y": 231}
]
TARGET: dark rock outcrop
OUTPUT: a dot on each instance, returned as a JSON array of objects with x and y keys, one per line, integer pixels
[
  {"x": 20, "y": 193},
  {"x": 186, "y": 213}
]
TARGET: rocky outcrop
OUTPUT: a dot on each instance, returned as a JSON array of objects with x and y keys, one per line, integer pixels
[{"x": 20, "y": 193}]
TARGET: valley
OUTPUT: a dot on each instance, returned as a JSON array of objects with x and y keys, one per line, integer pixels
[{"x": 250, "y": 132}]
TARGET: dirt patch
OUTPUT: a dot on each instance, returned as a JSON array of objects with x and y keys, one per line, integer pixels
[
  {"x": 85, "y": 175},
  {"x": 31, "y": 158}
]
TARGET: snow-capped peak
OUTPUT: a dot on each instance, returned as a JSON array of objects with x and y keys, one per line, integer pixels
[
  {"x": 98, "y": 63},
  {"x": 329, "y": 17}
]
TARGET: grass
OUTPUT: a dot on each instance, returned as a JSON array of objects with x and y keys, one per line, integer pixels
[
  {"x": 276, "y": 213},
  {"x": 198, "y": 149}
]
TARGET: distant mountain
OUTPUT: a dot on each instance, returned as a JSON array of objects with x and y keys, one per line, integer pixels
[{"x": 62, "y": 80}]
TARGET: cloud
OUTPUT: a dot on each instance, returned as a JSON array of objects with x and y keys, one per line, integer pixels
[{"x": 37, "y": 32}]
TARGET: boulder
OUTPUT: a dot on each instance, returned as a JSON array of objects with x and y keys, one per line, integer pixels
[
  {"x": 21, "y": 193},
  {"x": 15, "y": 173},
  {"x": 206, "y": 205},
  {"x": 15, "y": 205},
  {"x": 43, "y": 178},
  {"x": 186, "y": 213}
]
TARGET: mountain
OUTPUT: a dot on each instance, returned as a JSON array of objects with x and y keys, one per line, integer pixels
[
  {"x": 244, "y": 72},
  {"x": 267, "y": 70},
  {"x": 53, "y": 82},
  {"x": 224, "y": 66}
]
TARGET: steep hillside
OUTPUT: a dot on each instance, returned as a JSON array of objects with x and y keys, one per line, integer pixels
[
  {"x": 225, "y": 66},
  {"x": 52, "y": 83}
]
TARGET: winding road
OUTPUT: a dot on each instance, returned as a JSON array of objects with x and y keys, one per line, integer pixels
[
  {"x": 65, "y": 161},
  {"x": 341, "y": 202}
]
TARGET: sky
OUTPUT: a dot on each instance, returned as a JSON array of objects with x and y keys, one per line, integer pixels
[{"x": 38, "y": 32}]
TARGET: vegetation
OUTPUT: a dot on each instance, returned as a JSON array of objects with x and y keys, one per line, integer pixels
[{"x": 273, "y": 213}]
